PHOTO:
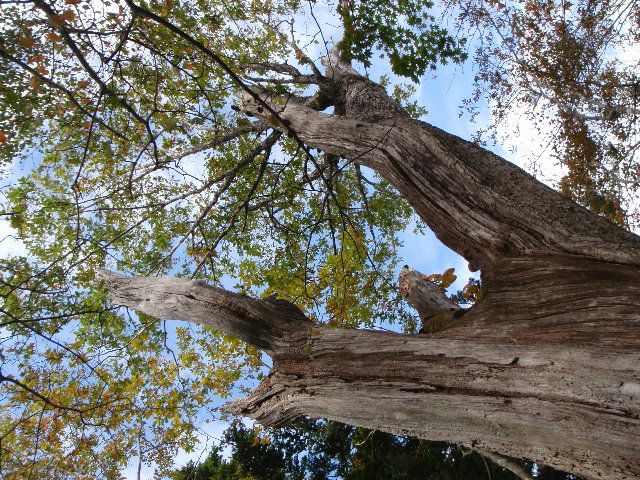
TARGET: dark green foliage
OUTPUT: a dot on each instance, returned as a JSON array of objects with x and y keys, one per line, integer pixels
[
  {"x": 403, "y": 30},
  {"x": 327, "y": 450}
]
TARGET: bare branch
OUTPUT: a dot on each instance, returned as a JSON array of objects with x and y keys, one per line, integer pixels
[
  {"x": 504, "y": 462},
  {"x": 262, "y": 323}
]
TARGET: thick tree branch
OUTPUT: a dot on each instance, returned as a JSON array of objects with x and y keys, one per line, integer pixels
[
  {"x": 262, "y": 323},
  {"x": 477, "y": 203}
]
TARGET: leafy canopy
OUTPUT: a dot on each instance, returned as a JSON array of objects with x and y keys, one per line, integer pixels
[
  {"x": 404, "y": 30},
  {"x": 121, "y": 149},
  {"x": 571, "y": 68}
]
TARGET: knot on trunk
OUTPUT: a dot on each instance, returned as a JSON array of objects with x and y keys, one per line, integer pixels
[{"x": 356, "y": 96}]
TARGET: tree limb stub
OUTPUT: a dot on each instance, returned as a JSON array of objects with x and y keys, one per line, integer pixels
[{"x": 434, "y": 307}]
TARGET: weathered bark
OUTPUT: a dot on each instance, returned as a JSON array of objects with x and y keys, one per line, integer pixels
[
  {"x": 545, "y": 366},
  {"x": 262, "y": 323},
  {"x": 573, "y": 406},
  {"x": 435, "y": 309}
]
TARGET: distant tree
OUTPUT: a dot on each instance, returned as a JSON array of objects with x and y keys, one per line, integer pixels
[
  {"x": 330, "y": 450},
  {"x": 572, "y": 68}
]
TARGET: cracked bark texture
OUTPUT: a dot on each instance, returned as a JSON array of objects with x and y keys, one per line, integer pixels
[{"x": 546, "y": 366}]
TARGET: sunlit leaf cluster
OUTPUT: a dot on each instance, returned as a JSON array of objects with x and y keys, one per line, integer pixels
[{"x": 405, "y": 30}]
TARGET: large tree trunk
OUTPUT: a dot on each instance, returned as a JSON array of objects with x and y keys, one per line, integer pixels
[{"x": 545, "y": 366}]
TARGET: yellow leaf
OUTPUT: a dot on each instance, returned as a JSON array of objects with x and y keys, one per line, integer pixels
[
  {"x": 447, "y": 280},
  {"x": 449, "y": 271}
]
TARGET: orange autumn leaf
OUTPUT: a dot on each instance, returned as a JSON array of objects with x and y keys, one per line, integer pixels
[
  {"x": 59, "y": 20},
  {"x": 54, "y": 37},
  {"x": 69, "y": 15},
  {"x": 469, "y": 289},
  {"x": 34, "y": 82},
  {"x": 36, "y": 58},
  {"x": 3, "y": 137},
  {"x": 56, "y": 20},
  {"x": 26, "y": 42}
]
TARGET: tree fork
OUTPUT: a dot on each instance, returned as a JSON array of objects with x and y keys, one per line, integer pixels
[
  {"x": 574, "y": 407},
  {"x": 545, "y": 366}
]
